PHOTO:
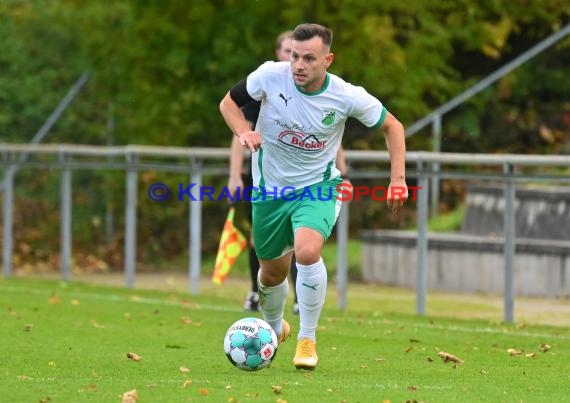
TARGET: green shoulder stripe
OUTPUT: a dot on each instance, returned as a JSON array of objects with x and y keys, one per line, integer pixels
[{"x": 382, "y": 118}]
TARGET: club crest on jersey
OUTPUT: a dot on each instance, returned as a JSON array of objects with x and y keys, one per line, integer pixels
[
  {"x": 301, "y": 141},
  {"x": 328, "y": 117}
]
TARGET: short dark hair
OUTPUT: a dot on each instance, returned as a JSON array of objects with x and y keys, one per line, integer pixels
[{"x": 304, "y": 32}]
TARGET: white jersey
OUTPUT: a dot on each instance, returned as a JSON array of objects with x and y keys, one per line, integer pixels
[{"x": 301, "y": 131}]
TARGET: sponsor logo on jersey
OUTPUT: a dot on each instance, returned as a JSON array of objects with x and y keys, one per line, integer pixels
[
  {"x": 285, "y": 99},
  {"x": 328, "y": 117},
  {"x": 301, "y": 141}
]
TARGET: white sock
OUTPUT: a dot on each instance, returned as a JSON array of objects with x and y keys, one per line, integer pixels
[
  {"x": 311, "y": 291},
  {"x": 272, "y": 302}
]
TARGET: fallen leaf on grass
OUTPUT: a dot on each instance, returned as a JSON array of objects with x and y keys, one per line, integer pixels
[
  {"x": 412, "y": 388},
  {"x": 186, "y": 383},
  {"x": 96, "y": 324},
  {"x": 54, "y": 299},
  {"x": 544, "y": 348},
  {"x": 204, "y": 391},
  {"x": 184, "y": 370},
  {"x": 28, "y": 327},
  {"x": 514, "y": 352},
  {"x": 232, "y": 399},
  {"x": 45, "y": 400},
  {"x": 281, "y": 401},
  {"x": 130, "y": 396},
  {"x": 446, "y": 357},
  {"x": 276, "y": 389},
  {"x": 530, "y": 355},
  {"x": 483, "y": 371},
  {"x": 134, "y": 357},
  {"x": 254, "y": 395}
]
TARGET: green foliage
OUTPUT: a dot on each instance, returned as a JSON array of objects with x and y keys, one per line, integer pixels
[
  {"x": 448, "y": 222},
  {"x": 164, "y": 70}
]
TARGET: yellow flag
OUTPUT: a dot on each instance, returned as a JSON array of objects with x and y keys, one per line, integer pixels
[{"x": 232, "y": 244}]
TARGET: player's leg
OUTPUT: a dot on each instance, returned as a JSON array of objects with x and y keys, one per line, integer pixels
[
  {"x": 312, "y": 221},
  {"x": 251, "y": 302},
  {"x": 273, "y": 237},
  {"x": 273, "y": 291},
  {"x": 293, "y": 271}
]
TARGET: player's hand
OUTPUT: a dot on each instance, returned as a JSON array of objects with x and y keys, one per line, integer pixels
[
  {"x": 250, "y": 139},
  {"x": 346, "y": 186},
  {"x": 397, "y": 195},
  {"x": 234, "y": 183}
]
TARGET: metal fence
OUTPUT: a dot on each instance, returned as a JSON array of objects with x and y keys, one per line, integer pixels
[{"x": 201, "y": 162}]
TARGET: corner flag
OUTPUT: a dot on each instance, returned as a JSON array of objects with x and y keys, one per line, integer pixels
[{"x": 232, "y": 243}]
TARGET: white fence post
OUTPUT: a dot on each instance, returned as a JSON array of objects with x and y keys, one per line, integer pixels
[
  {"x": 65, "y": 217},
  {"x": 509, "y": 243},
  {"x": 422, "y": 240},
  {"x": 195, "y": 230},
  {"x": 131, "y": 222}
]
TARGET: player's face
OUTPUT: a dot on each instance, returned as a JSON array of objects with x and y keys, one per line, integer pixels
[
  {"x": 284, "y": 52},
  {"x": 309, "y": 62}
]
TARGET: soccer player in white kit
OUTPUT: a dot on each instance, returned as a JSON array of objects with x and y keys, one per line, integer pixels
[{"x": 294, "y": 144}]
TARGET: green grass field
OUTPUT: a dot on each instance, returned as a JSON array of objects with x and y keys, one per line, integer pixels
[{"x": 68, "y": 342}]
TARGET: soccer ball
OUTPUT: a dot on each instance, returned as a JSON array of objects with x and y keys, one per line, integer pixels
[{"x": 250, "y": 344}]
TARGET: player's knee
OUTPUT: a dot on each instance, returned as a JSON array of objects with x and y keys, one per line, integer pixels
[
  {"x": 307, "y": 254},
  {"x": 272, "y": 278}
]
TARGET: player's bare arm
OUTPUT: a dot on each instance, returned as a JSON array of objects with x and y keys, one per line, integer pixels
[
  {"x": 235, "y": 119},
  {"x": 396, "y": 144},
  {"x": 236, "y": 166}
]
